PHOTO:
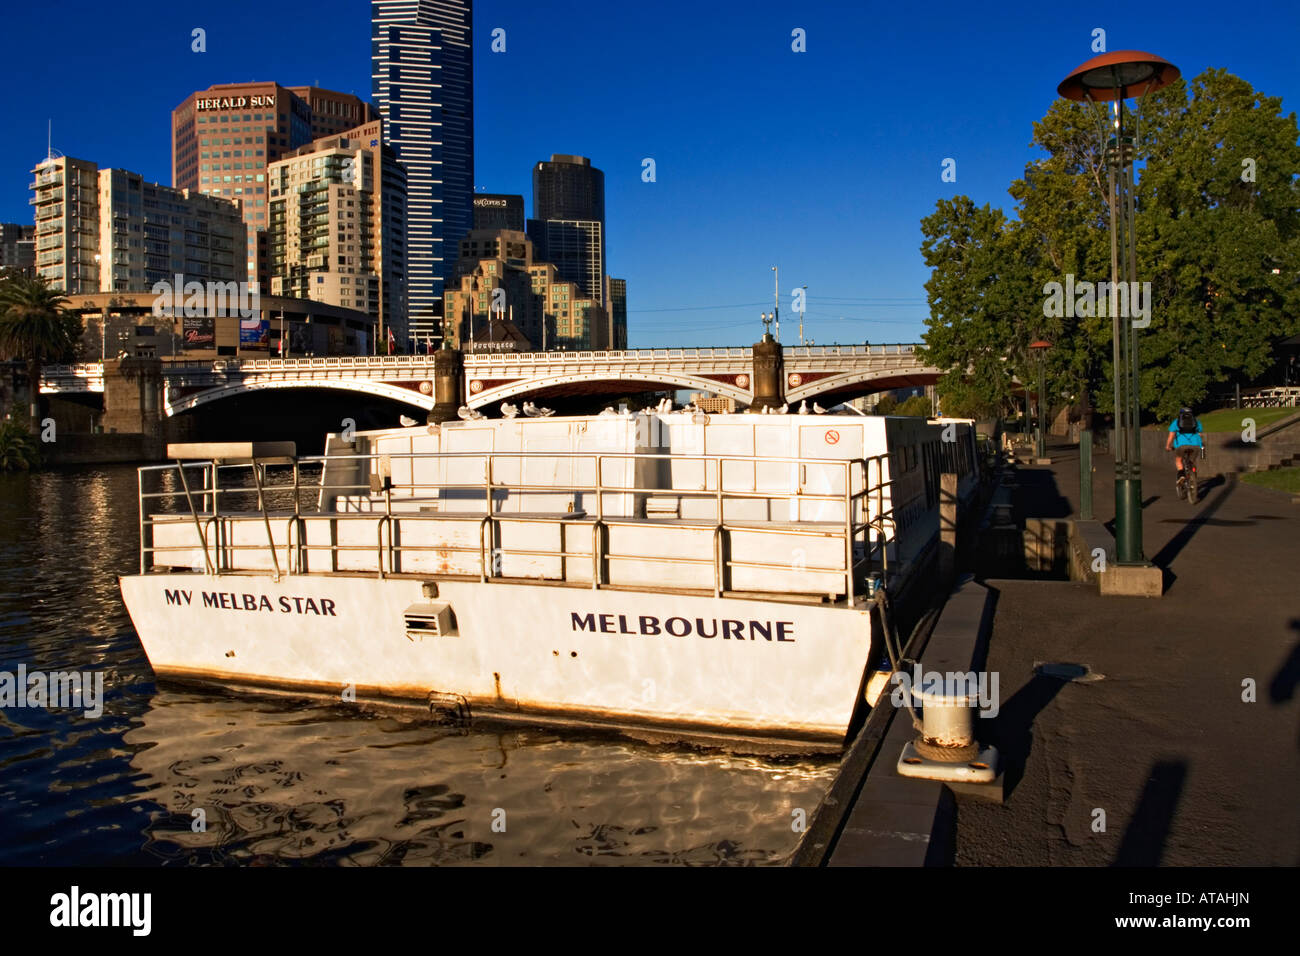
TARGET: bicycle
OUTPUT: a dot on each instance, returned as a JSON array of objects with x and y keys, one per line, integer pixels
[{"x": 1187, "y": 478}]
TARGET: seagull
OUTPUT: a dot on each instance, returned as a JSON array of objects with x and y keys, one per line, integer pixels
[
  {"x": 407, "y": 421},
  {"x": 803, "y": 407},
  {"x": 609, "y": 410},
  {"x": 468, "y": 414},
  {"x": 508, "y": 410},
  {"x": 532, "y": 411},
  {"x": 818, "y": 409},
  {"x": 528, "y": 409},
  {"x": 784, "y": 408}
]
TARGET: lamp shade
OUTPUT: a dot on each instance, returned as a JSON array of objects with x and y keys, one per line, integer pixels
[{"x": 1118, "y": 76}]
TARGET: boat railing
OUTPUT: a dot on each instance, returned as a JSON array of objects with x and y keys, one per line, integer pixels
[{"x": 214, "y": 496}]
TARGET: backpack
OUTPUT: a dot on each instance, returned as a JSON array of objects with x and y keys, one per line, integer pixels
[{"x": 1187, "y": 422}]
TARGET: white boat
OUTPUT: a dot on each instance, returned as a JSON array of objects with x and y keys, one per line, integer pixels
[{"x": 680, "y": 573}]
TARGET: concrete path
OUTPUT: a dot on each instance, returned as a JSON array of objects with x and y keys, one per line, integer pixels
[{"x": 1163, "y": 748}]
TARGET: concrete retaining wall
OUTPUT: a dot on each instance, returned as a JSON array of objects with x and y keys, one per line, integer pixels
[{"x": 1226, "y": 453}]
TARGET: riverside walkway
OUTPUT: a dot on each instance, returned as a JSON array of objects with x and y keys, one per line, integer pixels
[{"x": 1162, "y": 749}]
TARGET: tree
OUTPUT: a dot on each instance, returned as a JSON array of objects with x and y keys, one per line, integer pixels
[
  {"x": 36, "y": 329},
  {"x": 1218, "y": 239}
]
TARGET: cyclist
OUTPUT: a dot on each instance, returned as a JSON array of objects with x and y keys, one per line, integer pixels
[{"x": 1184, "y": 432}]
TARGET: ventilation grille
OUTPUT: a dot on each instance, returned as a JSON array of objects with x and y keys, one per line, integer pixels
[{"x": 429, "y": 620}]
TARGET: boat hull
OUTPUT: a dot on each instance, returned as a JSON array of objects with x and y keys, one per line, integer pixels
[{"x": 763, "y": 669}]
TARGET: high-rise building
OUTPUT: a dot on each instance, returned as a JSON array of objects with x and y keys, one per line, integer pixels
[
  {"x": 568, "y": 223},
  {"x": 110, "y": 230},
  {"x": 548, "y": 311},
  {"x": 224, "y": 137},
  {"x": 422, "y": 75},
  {"x": 616, "y": 304},
  {"x": 577, "y": 247},
  {"x": 498, "y": 211},
  {"x": 337, "y": 228},
  {"x": 18, "y": 247},
  {"x": 568, "y": 187}
]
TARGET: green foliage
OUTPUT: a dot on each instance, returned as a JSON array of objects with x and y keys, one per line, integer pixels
[
  {"x": 1208, "y": 241},
  {"x": 886, "y": 405},
  {"x": 34, "y": 325},
  {"x": 917, "y": 405},
  {"x": 18, "y": 449}
]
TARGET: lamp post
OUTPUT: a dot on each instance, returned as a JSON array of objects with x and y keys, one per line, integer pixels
[
  {"x": 776, "y": 300},
  {"x": 1114, "y": 78},
  {"x": 1039, "y": 349},
  {"x": 802, "y": 305}
]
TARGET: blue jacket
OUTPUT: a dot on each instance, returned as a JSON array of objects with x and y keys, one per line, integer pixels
[{"x": 1187, "y": 438}]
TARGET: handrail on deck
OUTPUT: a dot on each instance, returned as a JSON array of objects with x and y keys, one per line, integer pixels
[{"x": 859, "y": 528}]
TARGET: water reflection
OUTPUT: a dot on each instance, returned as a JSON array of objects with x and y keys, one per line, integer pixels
[{"x": 287, "y": 782}]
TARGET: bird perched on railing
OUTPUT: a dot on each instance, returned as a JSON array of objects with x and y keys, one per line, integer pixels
[
  {"x": 803, "y": 407},
  {"x": 508, "y": 410},
  {"x": 785, "y": 407},
  {"x": 818, "y": 409},
  {"x": 407, "y": 421},
  {"x": 532, "y": 411},
  {"x": 468, "y": 414},
  {"x": 609, "y": 410}
]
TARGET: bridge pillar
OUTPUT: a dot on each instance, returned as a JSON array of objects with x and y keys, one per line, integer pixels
[
  {"x": 133, "y": 400},
  {"x": 448, "y": 384},
  {"x": 769, "y": 374}
]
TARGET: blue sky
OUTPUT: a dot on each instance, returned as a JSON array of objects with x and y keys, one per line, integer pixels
[{"x": 821, "y": 162}]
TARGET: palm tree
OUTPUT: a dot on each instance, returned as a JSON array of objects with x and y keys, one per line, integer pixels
[{"x": 36, "y": 329}]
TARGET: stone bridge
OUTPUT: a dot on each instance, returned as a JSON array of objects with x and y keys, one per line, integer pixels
[{"x": 766, "y": 374}]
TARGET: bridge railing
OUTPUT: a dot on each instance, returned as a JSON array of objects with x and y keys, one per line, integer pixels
[{"x": 66, "y": 374}]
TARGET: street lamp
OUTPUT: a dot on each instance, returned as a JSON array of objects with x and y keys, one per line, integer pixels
[
  {"x": 767, "y": 326},
  {"x": 1039, "y": 350},
  {"x": 1114, "y": 78},
  {"x": 803, "y": 302}
]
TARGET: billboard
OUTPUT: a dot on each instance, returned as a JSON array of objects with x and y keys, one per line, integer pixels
[
  {"x": 254, "y": 334},
  {"x": 199, "y": 331},
  {"x": 300, "y": 339}
]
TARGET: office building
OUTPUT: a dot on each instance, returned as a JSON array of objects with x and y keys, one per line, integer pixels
[
  {"x": 18, "y": 247},
  {"x": 568, "y": 223},
  {"x": 109, "y": 229},
  {"x": 548, "y": 311},
  {"x": 616, "y": 300},
  {"x": 337, "y": 228},
  {"x": 224, "y": 137},
  {"x": 499, "y": 211},
  {"x": 568, "y": 187},
  {"x": 422, "y": 77}
]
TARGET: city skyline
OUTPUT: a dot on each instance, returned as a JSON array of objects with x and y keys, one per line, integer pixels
[{"x": 761, "y": 154}]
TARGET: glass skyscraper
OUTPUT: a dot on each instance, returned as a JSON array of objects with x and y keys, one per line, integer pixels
[{"x": 422, "y": 75}]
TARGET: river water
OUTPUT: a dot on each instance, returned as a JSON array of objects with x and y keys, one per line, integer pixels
[{"x": 170, "y": 775}]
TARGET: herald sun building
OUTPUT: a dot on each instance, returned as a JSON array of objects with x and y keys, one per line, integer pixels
[{"x": 225, "y": 137}]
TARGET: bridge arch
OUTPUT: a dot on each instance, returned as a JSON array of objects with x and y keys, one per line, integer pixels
[
  {"x": 652, "y": 380},
  {"x": 882, "y": 379},
  {"x": 364, "y": 386}
]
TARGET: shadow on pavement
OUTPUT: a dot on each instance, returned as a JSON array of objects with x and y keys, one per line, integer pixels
[
  {"x": 1037, "y": 495},
  {"x": 1144, "y": 839},
  {"x": 1287, "y": 679},
  {"x": 1179, "y": 541},
  {"x": 1012, "y": 730}
]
